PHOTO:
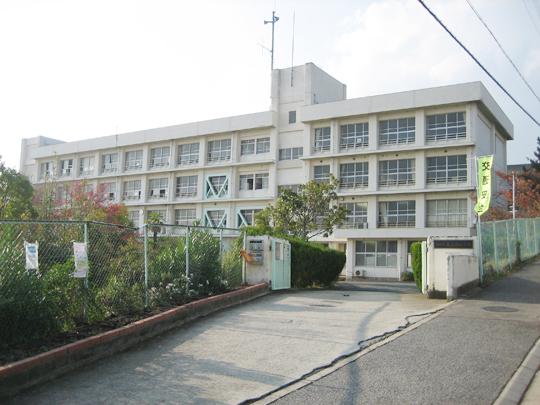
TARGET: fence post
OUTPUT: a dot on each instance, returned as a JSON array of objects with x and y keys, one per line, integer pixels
[
  {"x": 221, "y": 245},
  {"x": 244, "y": 247},
  {"x": 145, "y": 233},
  {"x": 495, "y": 250},
  {"x": 508, "y": 246},
  {"x": 187, "y": 260},
  {"x": 85, "y": 304}
]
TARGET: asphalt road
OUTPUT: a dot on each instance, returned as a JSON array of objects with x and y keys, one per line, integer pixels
[{"x": 465, "y": 355}]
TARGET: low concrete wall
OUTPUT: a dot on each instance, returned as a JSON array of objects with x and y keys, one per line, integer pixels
[
  {"x": 462, "y": 274},
  {"x": 17, "y": 376}
]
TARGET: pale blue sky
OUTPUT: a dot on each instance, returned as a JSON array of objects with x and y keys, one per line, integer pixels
[{"x": 76, "y": 69}]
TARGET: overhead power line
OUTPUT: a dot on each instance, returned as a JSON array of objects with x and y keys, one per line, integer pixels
[
  {"x": 502, "y": 50},
  {"x": 531, "y": 17},
  {"x": 478, "y": 62}
]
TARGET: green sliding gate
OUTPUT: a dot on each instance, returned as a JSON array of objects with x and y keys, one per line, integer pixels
[{"x": 281, "y": 264}]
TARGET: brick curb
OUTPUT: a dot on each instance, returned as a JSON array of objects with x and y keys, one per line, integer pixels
[{"x": 15, "y": 377}]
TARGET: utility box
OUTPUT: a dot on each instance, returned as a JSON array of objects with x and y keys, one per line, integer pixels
[{"x": 268, "y": 261}]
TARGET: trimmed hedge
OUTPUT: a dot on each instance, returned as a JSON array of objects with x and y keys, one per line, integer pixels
[
  {"x": 314, "y": 264},
  {"x": 416, "y": 253}
]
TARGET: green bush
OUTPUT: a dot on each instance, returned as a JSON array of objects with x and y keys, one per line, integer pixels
[
  {"x": 314, "y": 264},
  {"x": 120, "y": 297},
  {"x": 416, "y": 253},
  {"x": 231, "y": 265}
]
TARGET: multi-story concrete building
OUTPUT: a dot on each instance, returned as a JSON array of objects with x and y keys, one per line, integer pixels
[{"x": 405, "y": 162}]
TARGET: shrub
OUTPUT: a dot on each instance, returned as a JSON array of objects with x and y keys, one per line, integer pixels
[
  {"x": 119, "y": 297},
  {"x": 231, "y": 265},
  {"x": 313, "y": 264},
  {"x": 416, "y": 253},
  {"x": 407, "y": 276},
  {"x": 204, "y": 263}
]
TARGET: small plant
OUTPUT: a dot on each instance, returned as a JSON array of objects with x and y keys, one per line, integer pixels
[
  {"x": 416, "y": 253},
  {"x": 407, "y": 276}
]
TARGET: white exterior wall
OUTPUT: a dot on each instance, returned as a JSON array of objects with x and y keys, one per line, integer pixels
[{"x": 319, "y": 100}]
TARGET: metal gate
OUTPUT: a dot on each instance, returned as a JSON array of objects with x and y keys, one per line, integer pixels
[{"x": 281, "y": 264}]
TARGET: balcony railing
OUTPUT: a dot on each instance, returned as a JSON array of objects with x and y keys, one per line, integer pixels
[{"x": 396, "y": 223}]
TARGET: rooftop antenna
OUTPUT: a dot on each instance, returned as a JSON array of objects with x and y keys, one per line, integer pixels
[
  {"x": 292, "y": 50},
  {"x": 274, "y": 20}
]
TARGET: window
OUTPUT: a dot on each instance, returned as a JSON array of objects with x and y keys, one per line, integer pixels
[
  {"x": 381, "y": 253},
  {"x": 66, "y": 167},
  {"x": 354, "y": 136},
  {"x": 86, "y": 166},
  {"x": 88, "y": 188},
  {"x": 46, "y": 170},
  {"x": 292, "y": 117},
  {"x": 396, "y": 172},
  {"x": 217, "y": 187},
  {"x": 446, "y": 169},
  {"x": 109, "y": 163},
  {"x": 446, "y": 213},
  {"x": 321, "y": 174},
  {"x": 186, "y": 186},
  {"x": 215, "y": 218},
  {"x": 322, "y": 139},
  {"x": 109, "y": 190},
  {"x": 252, "y": 146},
  {"x": 134, "y": 218},
  {"x": 353, "y": 175},
  {"x": 188, "y": 154},
  {"x": 159, "y": 157},
  {"x": 356, "y": 215},
  {"x": 132, "y": 190},
  {"x": 291, "y": 153},
  {"x": 295, "y": 188},
  {"x": 397, "y": 131},
  {"x": 219, "y": 150},
  {"x": 246, "y": 217},
  {"x": 184, "y": 216},
  {"x": 445, "y": 127},
  {"x": 63, "y": 195},
  {"x": 158, "y": 188},
  {"x": 134, "y": 160},
  {"x": 397, "y": 214},
  {"x": 254, "y": 181}
]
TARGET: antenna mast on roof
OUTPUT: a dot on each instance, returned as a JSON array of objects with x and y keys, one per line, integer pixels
[
  {"x": 292, "y": 50},
  {"x": 274, "y": 20}
]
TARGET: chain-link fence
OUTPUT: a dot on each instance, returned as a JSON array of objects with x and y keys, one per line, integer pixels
[
  {"x": 506, "y": 242},
  {"x": 130, "y": 270}
]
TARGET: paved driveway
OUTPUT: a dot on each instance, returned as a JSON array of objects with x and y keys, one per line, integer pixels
[{"x": 242, "y": 352}]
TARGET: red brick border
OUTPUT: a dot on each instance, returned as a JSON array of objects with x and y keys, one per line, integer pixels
[{"x": 22, "y": 374}]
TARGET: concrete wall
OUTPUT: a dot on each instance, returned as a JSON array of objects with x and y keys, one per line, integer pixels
[{"x": 462, "y": 274}]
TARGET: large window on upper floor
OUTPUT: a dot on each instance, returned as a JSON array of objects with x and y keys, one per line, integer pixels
[
  {"x": 66, "y": 167},
  {"x": 186, "y": 186},
  {"x": 158, "y": 188},
  {"x": 109, "y": 163},
  {"x": 397, "y": 131},
  {"x": 291, "y": 153},
  {"x": 109, "y": 190},
  {"x": 185, "y": 216},
  {"x": 353, "y": 175},
  {"x": 254, "y": 146},
  {"x": 188, "y": 154},
  {"x": 45, "y": 170},
  {"x": 445, "y": 127},
  {"x": 258, "y": 181},
  {"x": 295, "y": 188},
  {"x": 381, "y": 253},
  {"x": 356, "y": 215},
  {"x": 159, "y": 157},
  {"x": 215, "y": 218},
  {"x": 132, "y": 190},
  {"x": 397, "y": 214},
  {"x": 446, "y": 169},
  {"x": 135, "y": 218},
  {"x": 396, "y": 172},
  {"x": 321, "y": 173},
  {"x": 246, "y": 217},
  {"x": 446, "y": 213},
  {"x": 354, "y": 136},
  {"x": 134, "y": 160},
  {"x": 321, "y": 139},
  {"x": 217, "y": 186},
  {"x": 86, "y": 166},
  {"x": 219, "y": 150}
]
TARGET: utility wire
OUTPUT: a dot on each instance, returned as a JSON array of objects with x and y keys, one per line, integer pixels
[
  {"x": 478, "y": 62},
  {"x": 531, "y": 17},
  {"x": 502, "y": 50}
]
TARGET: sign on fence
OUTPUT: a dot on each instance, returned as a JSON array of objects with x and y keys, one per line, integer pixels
[
  {"x": 81, "y": 260},
  {"x": 31, "y": 250}
]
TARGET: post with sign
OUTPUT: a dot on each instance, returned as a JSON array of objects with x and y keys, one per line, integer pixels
[{"x": 484, "y": 166}]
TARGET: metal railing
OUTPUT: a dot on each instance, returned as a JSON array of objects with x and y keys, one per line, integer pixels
[{"x": 130, "y": 270}]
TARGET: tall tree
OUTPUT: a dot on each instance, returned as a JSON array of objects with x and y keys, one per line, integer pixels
[
  {"x": 535, "y": 162},
  {"x": 311, "y": 211},
  {"x": 15, "y": 195}
]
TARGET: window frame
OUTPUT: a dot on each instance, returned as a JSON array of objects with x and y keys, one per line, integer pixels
[
  {"x": 443, "y": 217},
  {"x": 358, "y": 178},
  {"x": 357, "y": 215},
  {"x": 190, "y": 157},
  {"x": 392, "y": 176},
  {"x": 357, "y": 132},
  {"x": 440, "y": 174},
  {"x": 108, "y": 164},
  {"x": 321, "y": 177},
  {"x": 220, "y": 153},
  {"x": 190, "y": 189},
  {"x": 161, "y": 159},
  {"x": 376, "y": 250},
  {"x": 442, "y": 130},
  {"x": 161, "y": 184},
  {"x": 138, "y": 159},
  {"x": 397, "y": 131},
  {"x": 397, "y": 214},
  {"x": 322, "y": 139},
  {"x": 132, "y": 193}
]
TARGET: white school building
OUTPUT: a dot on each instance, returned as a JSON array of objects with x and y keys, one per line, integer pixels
[{"x": 405, "y": 162}]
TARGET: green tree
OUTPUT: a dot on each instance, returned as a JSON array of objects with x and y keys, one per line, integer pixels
[
  {"x": 311, "y": 211},
  {"x": 155, "y": 220},
  {"x": 535, "y": 162},
  {"x": 16, "y": 194}
]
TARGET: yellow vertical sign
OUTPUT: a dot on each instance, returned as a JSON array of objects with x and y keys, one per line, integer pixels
[{"x": 483, "y": 190}]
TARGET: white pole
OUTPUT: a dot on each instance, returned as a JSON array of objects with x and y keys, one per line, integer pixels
[{"x": 513, "y": 195}]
